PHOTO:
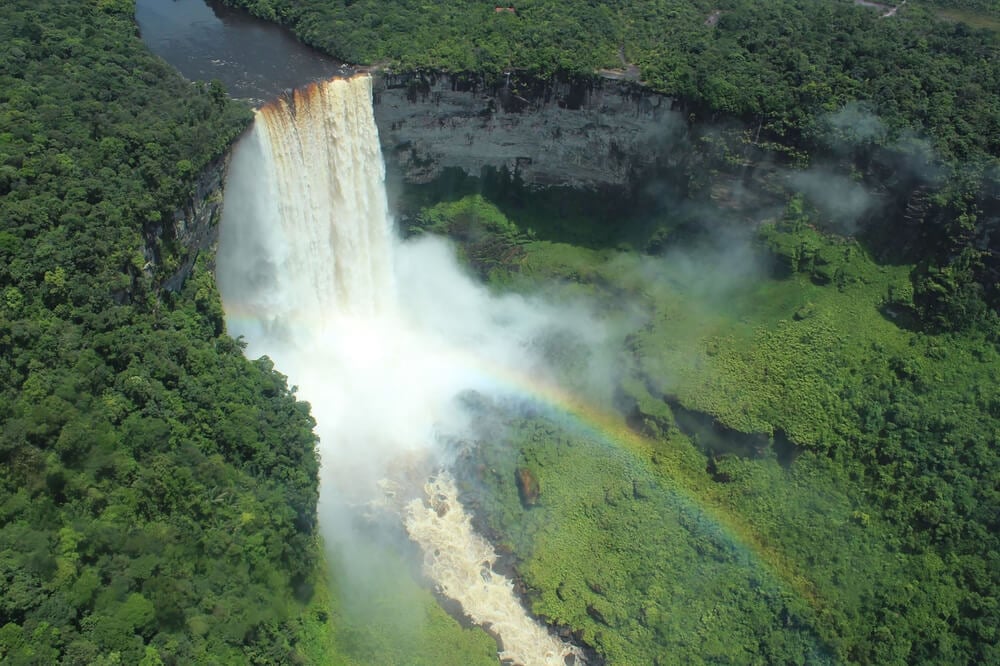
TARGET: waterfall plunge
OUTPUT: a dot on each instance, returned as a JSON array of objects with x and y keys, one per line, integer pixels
[
  {"x": 311, "y": 207},
  {"x": 379, "y": 336}
]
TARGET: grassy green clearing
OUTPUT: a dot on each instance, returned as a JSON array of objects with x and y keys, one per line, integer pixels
[
  {"x": 632, "y": 559},
  {"x": 659, "y": 548},
  {"x": 969, "y": 17}
]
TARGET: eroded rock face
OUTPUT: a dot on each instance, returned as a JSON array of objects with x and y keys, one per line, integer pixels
[
  {"x": 193, "y": 228},
  {"x": 594, "y": 134}
]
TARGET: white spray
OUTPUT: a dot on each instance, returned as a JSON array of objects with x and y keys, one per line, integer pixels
[{"x": 381, "y": 337}]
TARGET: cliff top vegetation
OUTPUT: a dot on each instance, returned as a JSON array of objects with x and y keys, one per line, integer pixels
[
  {"x": 786, "y": 61},
  {"x": 909, "y": 89},
  {"x": 157, "y": 489}
]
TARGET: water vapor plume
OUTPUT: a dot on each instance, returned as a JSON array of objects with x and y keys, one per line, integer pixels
[
  {"x": 382, "y": 337},
  {"x": 842, "y": 201},
  {"x": 851, "y": 126}
]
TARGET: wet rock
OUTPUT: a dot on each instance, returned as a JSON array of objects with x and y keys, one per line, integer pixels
[
  {"x": 527, "y": 487},
  {"x": 193, "y": 229},
  {"x": 591, "y": 134}
]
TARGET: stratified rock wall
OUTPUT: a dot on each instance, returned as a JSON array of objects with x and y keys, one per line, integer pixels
[{"x": 592, "y": 134}]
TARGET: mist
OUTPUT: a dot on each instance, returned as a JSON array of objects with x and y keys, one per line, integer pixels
[
  {"x": 383, "y": 338},
  {"x": 842, "y": 202}
]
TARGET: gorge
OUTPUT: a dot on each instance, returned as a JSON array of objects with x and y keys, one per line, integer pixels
[
  {"x": 700, "y": 376},
  {"x": 663, "y": 182}
]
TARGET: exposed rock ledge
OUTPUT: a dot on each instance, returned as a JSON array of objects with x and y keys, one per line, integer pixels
[
  {"x": 194, "y": 227},
  {"x": 590, "y": 134}
]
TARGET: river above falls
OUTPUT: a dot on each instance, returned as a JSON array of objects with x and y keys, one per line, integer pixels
[{"x": 253, "y": 59}]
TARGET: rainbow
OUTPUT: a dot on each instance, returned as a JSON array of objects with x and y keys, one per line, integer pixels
[{"x": 609, "y": 427}]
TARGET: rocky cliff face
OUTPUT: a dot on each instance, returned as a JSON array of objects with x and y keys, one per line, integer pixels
[
  {"x": 193, "y": 228},
  {"x": 593, "y": 134}
]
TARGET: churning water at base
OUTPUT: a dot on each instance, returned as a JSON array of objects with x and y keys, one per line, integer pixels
[
  {"x": 461, "y": 563},
  {"x": 381, "y": 337}
]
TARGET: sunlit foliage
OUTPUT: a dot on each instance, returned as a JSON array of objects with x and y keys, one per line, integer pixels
[
  {"x": 157, "y": 490},
  {"x": 859, "y": 451}
]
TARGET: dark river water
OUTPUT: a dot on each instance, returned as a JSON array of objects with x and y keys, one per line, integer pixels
[{"x": 205, "y": 40}]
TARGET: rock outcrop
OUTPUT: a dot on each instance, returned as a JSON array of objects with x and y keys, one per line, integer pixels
[
  {"x": 528, "y": 487},
  {"x": 193, "y": 228},
  {"x": 588, "y": 134}
]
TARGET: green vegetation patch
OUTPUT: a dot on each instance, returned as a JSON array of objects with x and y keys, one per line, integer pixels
[
  {"x": 157, "y": 489},
  {"x": 372, "y": 607},
  {"x": 626, "y": 558},
  {"x": 876, "y": 528}
]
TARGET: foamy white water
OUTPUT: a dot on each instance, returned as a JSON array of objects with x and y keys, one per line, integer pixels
[
  {"x": 318, "y": 196},
  {"x": 461, "y": 562},
  {"x": 380, "y": 337}
]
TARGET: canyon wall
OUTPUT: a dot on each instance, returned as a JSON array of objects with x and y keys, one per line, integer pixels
[
  {"x": 590, "y": 134},
  {"x": 194, "y": 227}
]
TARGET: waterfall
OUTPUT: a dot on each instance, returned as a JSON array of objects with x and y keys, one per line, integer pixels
[
  {"x": 380, "y": 337},
  {"x": 320, "y": 172}
]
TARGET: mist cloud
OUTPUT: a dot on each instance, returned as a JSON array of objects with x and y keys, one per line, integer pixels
[
  {"x": 385, "y": 339},
  {"x": 851, "y": 126},
  {"x": 842, "y": 201}
]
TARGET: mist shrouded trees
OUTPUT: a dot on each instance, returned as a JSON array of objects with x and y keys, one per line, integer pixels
[
  {"x": 867, "y": 457},
  {"x": 157, "y": 490}
]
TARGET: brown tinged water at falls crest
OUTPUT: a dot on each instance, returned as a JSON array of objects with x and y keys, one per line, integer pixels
[
  {"x": 331, "y": 196},
  {"x": 367, "y": 327}
]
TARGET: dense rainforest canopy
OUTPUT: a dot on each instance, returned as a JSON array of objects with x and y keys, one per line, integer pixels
[{"x": 157, "y": 490}]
